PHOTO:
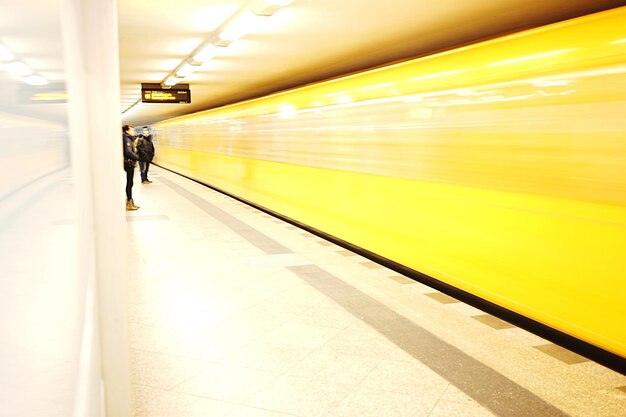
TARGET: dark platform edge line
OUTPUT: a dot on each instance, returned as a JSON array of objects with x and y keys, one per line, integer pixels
[{"x": 595, "y": 353}]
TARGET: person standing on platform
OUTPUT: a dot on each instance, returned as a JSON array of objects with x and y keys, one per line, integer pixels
[
  {"x": 128, "y": 135},
  {"x": 145, "y": 150}
]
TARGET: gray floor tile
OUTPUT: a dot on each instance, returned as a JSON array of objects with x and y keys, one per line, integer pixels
[
  {"x": 493, "y": 322},
  {"x": 402, "y": 279},
  {"x": 442, "y": 298},
  {"x": 561, "y": 354},
  {"x": 379, "y": 403},
  {"x": 371, "y": 265}
]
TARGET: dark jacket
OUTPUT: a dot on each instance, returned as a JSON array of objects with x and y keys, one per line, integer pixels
[
  {"x": 129, "y": 154},
  {"x": 145, "y": 148}
]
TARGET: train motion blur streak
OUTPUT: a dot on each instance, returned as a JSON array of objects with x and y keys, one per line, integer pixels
[{"x": 498, "y": 168}]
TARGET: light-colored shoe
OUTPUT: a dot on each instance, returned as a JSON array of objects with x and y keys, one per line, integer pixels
[
  {"x": 146, "y": 182},
  {"x": 130, "y": 205},
  {"x": 149, "y": 182}
]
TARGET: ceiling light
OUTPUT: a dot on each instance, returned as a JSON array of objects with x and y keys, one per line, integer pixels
[
  {"x": 172, "y": 81},
  {"x": 5, "y": 54},
  {"x": 18, "y": 69},
  {"x": 244, "y": 24},
  {"x": 287, "y": 111},
  {"x": 269, "y": 7},
  {"x": 185, "y": 70},
  {"x": 35, "y": 80},
  {"x": 206, "y": 54}
]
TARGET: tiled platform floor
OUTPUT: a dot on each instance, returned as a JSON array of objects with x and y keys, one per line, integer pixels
[{"x": 235, "y": 313}]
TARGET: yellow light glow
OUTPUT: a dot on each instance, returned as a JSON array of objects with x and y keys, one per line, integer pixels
[
  {"x": 49, "y": 97},
  {"x": 375, "y": 86},
  {"x": 287, "y": 111},
  {"x": 618, "y": 41},
  {"x": 18, "y": 69},
  {"x": 439, "y": 74},
  {"x": 530, "y": 57}
]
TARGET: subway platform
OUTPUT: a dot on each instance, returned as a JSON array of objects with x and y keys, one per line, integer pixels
[{"x": 236, "y": 313}]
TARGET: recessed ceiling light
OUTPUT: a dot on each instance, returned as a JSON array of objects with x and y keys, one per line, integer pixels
[
  {"x": 185, "y": 70},
  {"x": 35, "y": 80},
  {"x": 247, "y": 22},
  {"x": 172, "y": 81},
  {"x": 18, "y": 69},
  {"x": 207, "y": 53}
]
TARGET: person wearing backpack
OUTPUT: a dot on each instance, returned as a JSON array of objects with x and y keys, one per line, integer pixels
[{"x": 145, "y": 150}]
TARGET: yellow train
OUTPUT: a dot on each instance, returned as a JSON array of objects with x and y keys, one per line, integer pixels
[{"x": 498, "y": 168}]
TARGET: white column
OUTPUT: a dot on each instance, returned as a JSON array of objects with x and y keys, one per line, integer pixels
[{"x": 91, "y": 55}]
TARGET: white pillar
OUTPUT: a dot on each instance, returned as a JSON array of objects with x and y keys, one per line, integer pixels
[{"x": 91, "y": 55}]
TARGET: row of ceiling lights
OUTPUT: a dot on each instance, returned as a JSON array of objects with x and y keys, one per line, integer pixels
[
  {"x": 233, "y": 29},
  {"x": 19, "y": 69},
  {"x": 237, "y": 27}
]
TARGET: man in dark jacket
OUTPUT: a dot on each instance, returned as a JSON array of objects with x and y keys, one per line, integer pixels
[
  {"x": 128, "y": 134},
  {"x": 145, "y": 150}
]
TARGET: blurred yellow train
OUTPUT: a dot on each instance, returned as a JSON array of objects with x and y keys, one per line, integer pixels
[{"x": 498, "y": 168}]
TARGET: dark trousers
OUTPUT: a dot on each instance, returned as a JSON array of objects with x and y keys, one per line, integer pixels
[
  {"x": 144, "y": 167},
  {"x": 130, "y": 172}
]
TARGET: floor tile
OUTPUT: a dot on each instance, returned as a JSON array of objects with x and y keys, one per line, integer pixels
[
  {"x": 493, "y": 322},
  {"x": 335, "y": 367},
  {"x": 264, "y": 356},
  {"x": 227, "y": 383},
  {"x": 442, "y": 298},
  {"x": 402, "y": 279},
  {"x": 323, "y": 316},
  {"x": 173, "y": 404},
  {"x": 377, "y": 403},
  {"x": 561, "y": 354},
  {"x": 454, "y": 409},
  {"x": 242, "y": 411},
  {"x": 301, "y": 335},
  {"x": 405, "y": 377},
  {"x": 360, "y": 340},
  {"x": 300, "y": 396},
  {"x": 372, "y": 265},
  {"x": 163, "y": 371}
]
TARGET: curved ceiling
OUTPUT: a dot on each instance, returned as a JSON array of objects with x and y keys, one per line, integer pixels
[{"x": 308, "y": 41}]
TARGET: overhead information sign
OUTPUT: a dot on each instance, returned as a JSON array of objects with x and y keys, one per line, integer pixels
[{"x": 154, "y": 93}]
